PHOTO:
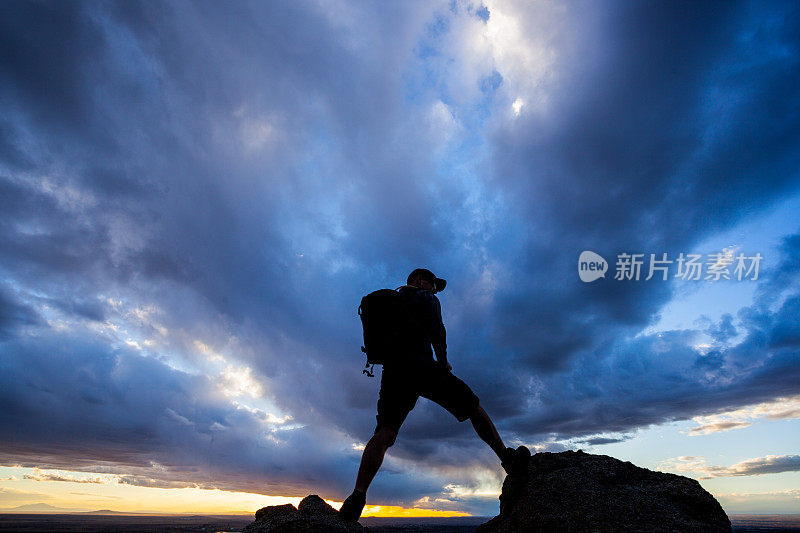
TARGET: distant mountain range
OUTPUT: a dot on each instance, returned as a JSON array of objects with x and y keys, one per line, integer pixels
[
  {"x": 40, "y": 508},
  {"x": 45, "y": 508}
]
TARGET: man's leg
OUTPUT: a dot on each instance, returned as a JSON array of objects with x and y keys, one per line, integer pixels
[
  {"x": 513, "y": 461},
  {"x": 396, "y": 399},
  {"x": 372, "y": 458},
  {"x": 454, "y": 395},
  {"x": 371, "y": 461},
  {"x": 444, "y": 388},
  {"x": 487, "y": 432}
]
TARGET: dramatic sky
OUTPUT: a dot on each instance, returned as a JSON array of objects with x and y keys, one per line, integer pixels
[{"x": 194, "y": 196}]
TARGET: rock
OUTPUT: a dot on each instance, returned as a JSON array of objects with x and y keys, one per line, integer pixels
[
  {"x": 575, "y": 491},
  {"x": 315, "y": 506},
  {"x": 274, "y": 511},
  {"x": 313, "y": 515}
]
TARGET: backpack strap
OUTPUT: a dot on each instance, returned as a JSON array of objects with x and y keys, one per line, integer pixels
[{"x": 368, "y": 369}]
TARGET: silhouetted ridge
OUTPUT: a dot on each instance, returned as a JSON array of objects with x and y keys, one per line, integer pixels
[
  {"x": 312, "y": 515},
  {"x": 565, "y": 492},
  {"x": 575, "y": 492}
]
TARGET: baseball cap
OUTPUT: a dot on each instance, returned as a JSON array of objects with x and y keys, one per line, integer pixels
[{"x": 426, "y": 274}]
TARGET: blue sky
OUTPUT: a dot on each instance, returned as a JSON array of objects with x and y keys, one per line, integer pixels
[{"x": 195, "y": 196}]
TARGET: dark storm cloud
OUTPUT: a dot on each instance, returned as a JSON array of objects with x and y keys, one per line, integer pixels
[
  {"x": 664, "y": 146},
  {"x": 723, "y": 331},
  {"x": 152, "y": 194},
  {"x": 661, "y": 376},
  {"x": 169, "y": 428},
  {"x": 252, "y": 170},
  {"x": 54, "y": 88},
  {"x": 13, "y": 314}
]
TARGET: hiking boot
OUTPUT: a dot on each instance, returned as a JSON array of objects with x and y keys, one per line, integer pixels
[
  {"x": 352, "y": 506},
  {"x": 515, "y": 461}
]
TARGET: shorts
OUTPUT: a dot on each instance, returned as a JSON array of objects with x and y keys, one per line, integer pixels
[{"x": 400, "y": 390}]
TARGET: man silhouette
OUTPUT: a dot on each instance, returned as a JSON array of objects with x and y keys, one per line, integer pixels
[{"x": 419, "y": 375}]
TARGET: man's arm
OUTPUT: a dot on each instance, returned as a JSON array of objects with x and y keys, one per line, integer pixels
[{"x": 438, "y": 334}]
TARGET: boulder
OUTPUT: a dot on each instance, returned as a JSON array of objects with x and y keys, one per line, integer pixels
[
  {"x": 575, "y": 492},
  {"x": 313, "y": 515}
]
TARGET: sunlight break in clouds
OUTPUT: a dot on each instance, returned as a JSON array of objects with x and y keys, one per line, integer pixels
[
  {"x": 516, "y": 41},
  {"x": 58, "y": 475},
  {"x": 770, "y": 464},
  {"x": 238, "y": 380},
  {"x": 521, "y": 39},
  {"x": 779, "y": 409},
  {"x": 517, "y": 106}
]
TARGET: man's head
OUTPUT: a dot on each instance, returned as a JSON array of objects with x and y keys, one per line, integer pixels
[{"x": 424, "y": 279}]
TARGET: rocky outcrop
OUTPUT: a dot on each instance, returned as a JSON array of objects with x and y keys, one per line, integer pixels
[
  {"x": 568, "y": 491},
  {"x": 313, "y": 515},
  {"x": 576, "y": 492}
]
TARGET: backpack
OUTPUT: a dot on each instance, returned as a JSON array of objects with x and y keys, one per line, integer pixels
[{"x": 385, "y": 320}]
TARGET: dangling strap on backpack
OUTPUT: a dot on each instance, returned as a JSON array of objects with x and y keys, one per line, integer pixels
[{"x": 369, "y": 366}]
